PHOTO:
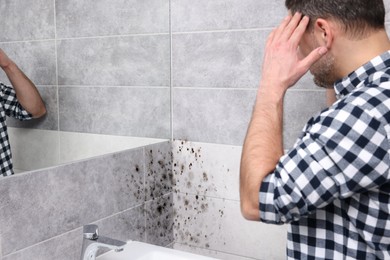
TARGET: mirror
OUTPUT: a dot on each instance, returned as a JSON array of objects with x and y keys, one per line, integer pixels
[{"x": 103, "y": 70}]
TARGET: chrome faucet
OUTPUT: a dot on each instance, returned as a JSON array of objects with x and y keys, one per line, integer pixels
[{"x": 92, "y": 242}]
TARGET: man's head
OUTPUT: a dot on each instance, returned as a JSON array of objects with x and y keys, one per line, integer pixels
[
  {"x": 331, "y": 20},
  {"x": 356, "y": 17}
]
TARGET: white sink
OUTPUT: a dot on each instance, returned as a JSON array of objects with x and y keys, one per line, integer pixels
[{"x": 143, "y": 251}]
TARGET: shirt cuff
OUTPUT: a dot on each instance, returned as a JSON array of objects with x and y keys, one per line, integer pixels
[{"x": 268, "y": 212}]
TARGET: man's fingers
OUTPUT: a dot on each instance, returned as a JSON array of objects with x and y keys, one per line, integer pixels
[
  {"x": 280, "y": 29},
  {"x": 299, "y": 30},
  {"x": 291, "y": 26}
]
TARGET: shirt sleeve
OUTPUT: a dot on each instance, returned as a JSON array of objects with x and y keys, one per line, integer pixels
[
  {"x": 11, "y": 104},
  {"x": 341, "y": 152}
]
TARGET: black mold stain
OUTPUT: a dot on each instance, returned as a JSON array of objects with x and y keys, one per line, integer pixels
[
  {"x": 191, "y": 209},
  {"x": 159, "y": 176},
  {"x": 160, "y": 220},
  {"x": 205, "y": 178}
]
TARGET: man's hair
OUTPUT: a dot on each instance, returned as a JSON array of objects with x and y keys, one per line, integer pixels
[{"x": 357, "y": 17}]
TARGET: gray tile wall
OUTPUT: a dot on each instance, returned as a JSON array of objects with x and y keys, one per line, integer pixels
[
  {"x": 94, "y": 46},
  {"x": 42, "y": 212},
  {"x": 86, "y": 49},
  {"x": 217, "y": 49}
]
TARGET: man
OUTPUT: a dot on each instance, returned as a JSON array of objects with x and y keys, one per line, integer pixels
[
  {"x": 333, "y": 186},
  {"x": 22, "y": 102}
]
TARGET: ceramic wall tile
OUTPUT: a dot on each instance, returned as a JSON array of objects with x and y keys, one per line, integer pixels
[
  {"x": 222, "y": 60},
  {"x": 48, "y": 121},
  {"x": 158, "y": 170},
  {"x": 387, "y": 7},
  {"x": 202, "y": 15},
  {"x": 217, "y": 224},
  {"x": 159, "y": 214},
  {"x": 26, "y": 20},
  {"x": 128, "y": 225},
  {"x": 212, "y": 115},
  {"x": 116, "y": 111},
  {"x": 219, "y": 59},
  {"x": 66, "y": 197},
  {"x": 64, "y": 247},
  {"x": 205, "y": 169},
  {"x": 104, "y": 17},
  {"x": 35, "y": 58},
  {"x": 115, "y": 61}
]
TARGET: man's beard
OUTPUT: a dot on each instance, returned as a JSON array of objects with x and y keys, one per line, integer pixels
[{"x": 323, "y": 72}]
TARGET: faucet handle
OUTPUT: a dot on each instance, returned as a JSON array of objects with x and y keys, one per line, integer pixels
[{"x": 90, "y": 232}]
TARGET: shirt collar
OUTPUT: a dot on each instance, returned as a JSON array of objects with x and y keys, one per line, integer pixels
[{"x": 346, "y": 85}]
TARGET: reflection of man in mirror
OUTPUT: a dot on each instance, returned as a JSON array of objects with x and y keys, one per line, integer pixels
[{"x": 21, "y": 101}]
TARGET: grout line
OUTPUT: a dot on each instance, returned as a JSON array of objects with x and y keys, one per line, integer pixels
[
  {"x": 58, "y": 94},
  {"x": 46, "y": 86},
  {"x": 225, "y": 30},
  {"x": 83, "y": 37},
  {"x": 111, "y": 86},
  {"x": 113, "y": 36},
  {"x": 206, "y": 196},
  {"x": 144, "y": 186},
  {"x": 218, "y": 88},
  {"x": 28, "y": 41},
  {"x": 144, "y": 34},
  {"x": 136, "y": 34},
  {"x": 171, "y": 69},
  {"x": 168, "y": 87},
  {"x": 249, "y": 89}
]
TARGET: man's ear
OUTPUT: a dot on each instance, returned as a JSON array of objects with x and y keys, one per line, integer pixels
[{"x": 324, "y": 33}]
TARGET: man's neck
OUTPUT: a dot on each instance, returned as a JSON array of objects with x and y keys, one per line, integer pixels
[{"x": 352, "y": 54}]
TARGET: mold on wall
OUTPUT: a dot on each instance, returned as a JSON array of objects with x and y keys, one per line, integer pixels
[
  {"x": 52, "y": 205},
  {"x": 207, "y": 216},
  {"x": 159, "y": 178}
]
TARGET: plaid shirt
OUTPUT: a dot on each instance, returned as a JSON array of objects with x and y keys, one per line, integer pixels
[
  {"x": 9, "y": 106},
  {"x": 333, "y": 186}
]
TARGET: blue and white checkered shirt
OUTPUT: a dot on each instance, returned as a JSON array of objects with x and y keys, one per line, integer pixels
[
  {"x": 9, "y": 106},
  {"x": 333, "y": 186}
]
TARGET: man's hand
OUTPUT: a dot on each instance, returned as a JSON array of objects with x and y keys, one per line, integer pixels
[
  {"x": 263, "y": 146},
  {"x": 282, "y": 66}
]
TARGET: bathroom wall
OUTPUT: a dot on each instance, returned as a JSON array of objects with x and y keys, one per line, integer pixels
[
  {"x": 97, "y": 50},
  {"x": 128, "y": 194},
  {"x": 96, "y": 63}
]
